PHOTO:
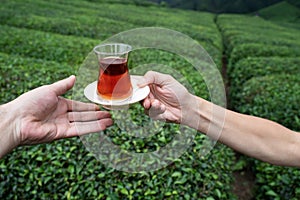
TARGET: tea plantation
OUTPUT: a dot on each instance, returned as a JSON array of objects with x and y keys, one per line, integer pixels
[
  {"x": 263, "y": 76},
  {"x": 45, "y": 41}
]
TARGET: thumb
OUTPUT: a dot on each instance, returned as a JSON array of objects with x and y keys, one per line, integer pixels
[
  {"x": 152, "y": 77},
  {"x": 62, "y": 86}
]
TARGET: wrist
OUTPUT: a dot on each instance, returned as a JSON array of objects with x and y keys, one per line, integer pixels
[
  {"x": 9, "y": 137},
  {"x": 205, "y": 117},
  {"x": 191, "y": 112}
]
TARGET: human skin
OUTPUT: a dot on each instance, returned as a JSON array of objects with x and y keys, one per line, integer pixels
[
  {"x": 42, "y": 116},
  {"x": 256, "y": 137}
]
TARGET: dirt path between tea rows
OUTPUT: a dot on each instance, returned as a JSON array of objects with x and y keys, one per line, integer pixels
[{"x": 244, "y": 180}]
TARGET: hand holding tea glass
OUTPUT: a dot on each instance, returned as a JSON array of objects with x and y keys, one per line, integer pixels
[
  {"x": 115, "y": 87},
  {"x": 254, "y": 136}
]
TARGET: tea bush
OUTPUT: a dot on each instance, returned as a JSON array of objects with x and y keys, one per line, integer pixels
[
  {"x": 198, "y": 25},
  {"x": 275, "y": 97},
  {"x": 275, "y": 41},
  {"x": 276, "y": 182},
  {"x": 250, "y": 67},
  {"x": 44, "y": 41},
  {"x": 261, "y": 50},
  {"x": 243, "y": 29},
  {"x": 44, "y": 45},
  {"x": 20, "y": 74},
  {"x": 100, "y": 21},
  {"x": 62, "y": 19},
  {"x": 65, "y": 169},
  {"x": 36, "y": 172},
  {"x": 106, "y": 18},
  {"x": 262, "y": 73}
]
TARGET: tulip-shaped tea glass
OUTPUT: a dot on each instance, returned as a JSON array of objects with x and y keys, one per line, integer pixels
[{"x": 114, "y": 80}]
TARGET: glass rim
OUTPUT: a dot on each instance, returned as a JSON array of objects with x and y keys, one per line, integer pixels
[{"x": 128, "y": 49}]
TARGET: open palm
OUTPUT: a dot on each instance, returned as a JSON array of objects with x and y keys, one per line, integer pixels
[{"x": 46, "y": 116}]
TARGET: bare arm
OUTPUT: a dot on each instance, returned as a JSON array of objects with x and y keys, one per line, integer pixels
[{"x": 256, "y": 137}]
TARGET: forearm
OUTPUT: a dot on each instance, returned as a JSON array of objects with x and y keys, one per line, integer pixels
[
  {"x": 253, "y": 136},
  {"x": 8, "y": 140},
  {"x": 262, "y": 139}
]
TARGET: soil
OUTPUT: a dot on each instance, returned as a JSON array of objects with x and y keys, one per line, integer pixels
[
  {"x": 243, "y": 186},
  {"x": 244, "y": 180}
]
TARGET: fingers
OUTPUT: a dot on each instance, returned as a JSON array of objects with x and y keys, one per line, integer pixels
[
  {"x": 157, "y": 107},
  {"x": 147, "y": 103},
  {"x": 81, "y": 128},
  {"x": 80, "y": 106},
  {"x": 87, "y": 116},
  {"x": 156, "y": 114},
  {"x": 88, "y": 122},
  {"x": 153, "y": 108},
  {"x": 62, "y": 86},
  {"x": 152, "y": 77}
]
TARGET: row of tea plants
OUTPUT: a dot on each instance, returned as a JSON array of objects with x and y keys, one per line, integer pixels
[
  {"x": 102, "y": 20},
  {"x": 263, "y": 75},
  {"x": 44, "y": 41}
]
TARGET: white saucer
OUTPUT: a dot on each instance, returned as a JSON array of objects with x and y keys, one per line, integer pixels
[{"x": 138, "y": 94}]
